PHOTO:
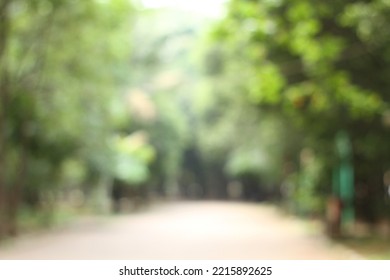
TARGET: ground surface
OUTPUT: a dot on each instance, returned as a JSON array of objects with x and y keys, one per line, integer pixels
[{"x": 183, "y": 230}]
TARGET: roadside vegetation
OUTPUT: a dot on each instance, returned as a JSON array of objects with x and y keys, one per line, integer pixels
[{"x": 107, "y": 105}]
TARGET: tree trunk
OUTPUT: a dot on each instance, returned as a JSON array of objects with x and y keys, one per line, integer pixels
[
  {"x": 4, "y": 93},
  {"x": 15, "y": 193}
]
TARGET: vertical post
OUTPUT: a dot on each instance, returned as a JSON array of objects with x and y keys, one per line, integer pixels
[{"x": 345, "y": 179}]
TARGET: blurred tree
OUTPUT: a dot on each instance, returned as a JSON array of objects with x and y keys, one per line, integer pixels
[
  {"x": 323, "y": 66},
  {"x": 61, "y": 63},
  {"x": 164, "y": 76}
]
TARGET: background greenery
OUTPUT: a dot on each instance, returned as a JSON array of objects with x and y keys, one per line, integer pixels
[{"x": 104, "y": 100}]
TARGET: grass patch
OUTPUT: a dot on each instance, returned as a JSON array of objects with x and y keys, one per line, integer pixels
[
  {"x": 31, "y": 221},
  {"x": 373, "y": 248}
]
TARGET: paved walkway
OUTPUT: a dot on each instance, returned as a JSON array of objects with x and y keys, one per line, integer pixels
[{"x": 184, "y": 230}]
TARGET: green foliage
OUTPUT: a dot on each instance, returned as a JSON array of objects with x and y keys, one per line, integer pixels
[
  {"x": 164, "y": 77},
  {"x": 307, "y": 197},
  {"x": 322, "y": 67},
  {"x": 266, "y": 85},
  {"x": 61, "y": 64},
  {"x": 132, "y": 156},
  {"x": 259, "y": 150}
]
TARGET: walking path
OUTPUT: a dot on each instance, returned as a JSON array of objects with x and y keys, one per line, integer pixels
[{"x": 184, "y": 230}]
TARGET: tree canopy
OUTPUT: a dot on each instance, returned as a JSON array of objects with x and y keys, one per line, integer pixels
[
  {"x": 103, "y": 99},
  {"x": 321, "y": 66},
  {"x": 61, "y": 62}
]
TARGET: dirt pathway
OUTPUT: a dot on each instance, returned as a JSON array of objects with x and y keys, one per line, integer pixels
[{"x": 185, "y": 230}]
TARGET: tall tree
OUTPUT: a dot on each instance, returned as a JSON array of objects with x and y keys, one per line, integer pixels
[
  {"x": 61, "y": 63},
  {"x": 323, "y": 65}
]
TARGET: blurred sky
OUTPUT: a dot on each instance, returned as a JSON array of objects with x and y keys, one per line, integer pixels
[{"x": 211, "y": 8}]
